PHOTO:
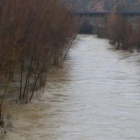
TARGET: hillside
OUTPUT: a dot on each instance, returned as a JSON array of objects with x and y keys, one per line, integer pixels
[{"x": 106, "y": 5}]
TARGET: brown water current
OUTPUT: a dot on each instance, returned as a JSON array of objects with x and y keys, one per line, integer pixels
[{"x": 96, "y": 96}]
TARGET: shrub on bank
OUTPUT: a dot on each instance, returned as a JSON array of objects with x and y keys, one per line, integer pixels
[{"x": 34, "y": 36}]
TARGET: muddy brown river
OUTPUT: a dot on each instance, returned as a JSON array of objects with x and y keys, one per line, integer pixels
[{"x": 96, "y": 96}]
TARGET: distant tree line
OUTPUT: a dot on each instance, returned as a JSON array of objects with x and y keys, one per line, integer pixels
[
  {"x": 34, "y": 36},
  {"x": 123, "y": 32}
]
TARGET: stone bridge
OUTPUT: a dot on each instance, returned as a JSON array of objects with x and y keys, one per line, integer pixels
[
  {"x": 100, "y": 17},
  {"x": 92, "y": 20}
]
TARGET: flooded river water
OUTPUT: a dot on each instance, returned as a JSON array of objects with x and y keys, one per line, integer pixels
[{"x": 96, "y": 96}]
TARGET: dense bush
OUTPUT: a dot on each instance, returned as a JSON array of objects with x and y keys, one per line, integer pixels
[
  {"x": 122, "y": 33},
  {"x": 34, "y": 35}
]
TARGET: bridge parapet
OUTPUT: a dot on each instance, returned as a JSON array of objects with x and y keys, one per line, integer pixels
[{"x": 104, "y": 13}]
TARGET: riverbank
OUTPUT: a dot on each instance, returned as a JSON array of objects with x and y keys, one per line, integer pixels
[{"x": 13, "y": 106}]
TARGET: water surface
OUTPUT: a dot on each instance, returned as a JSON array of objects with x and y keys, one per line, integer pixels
[{"x": 96, "y": 96}]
